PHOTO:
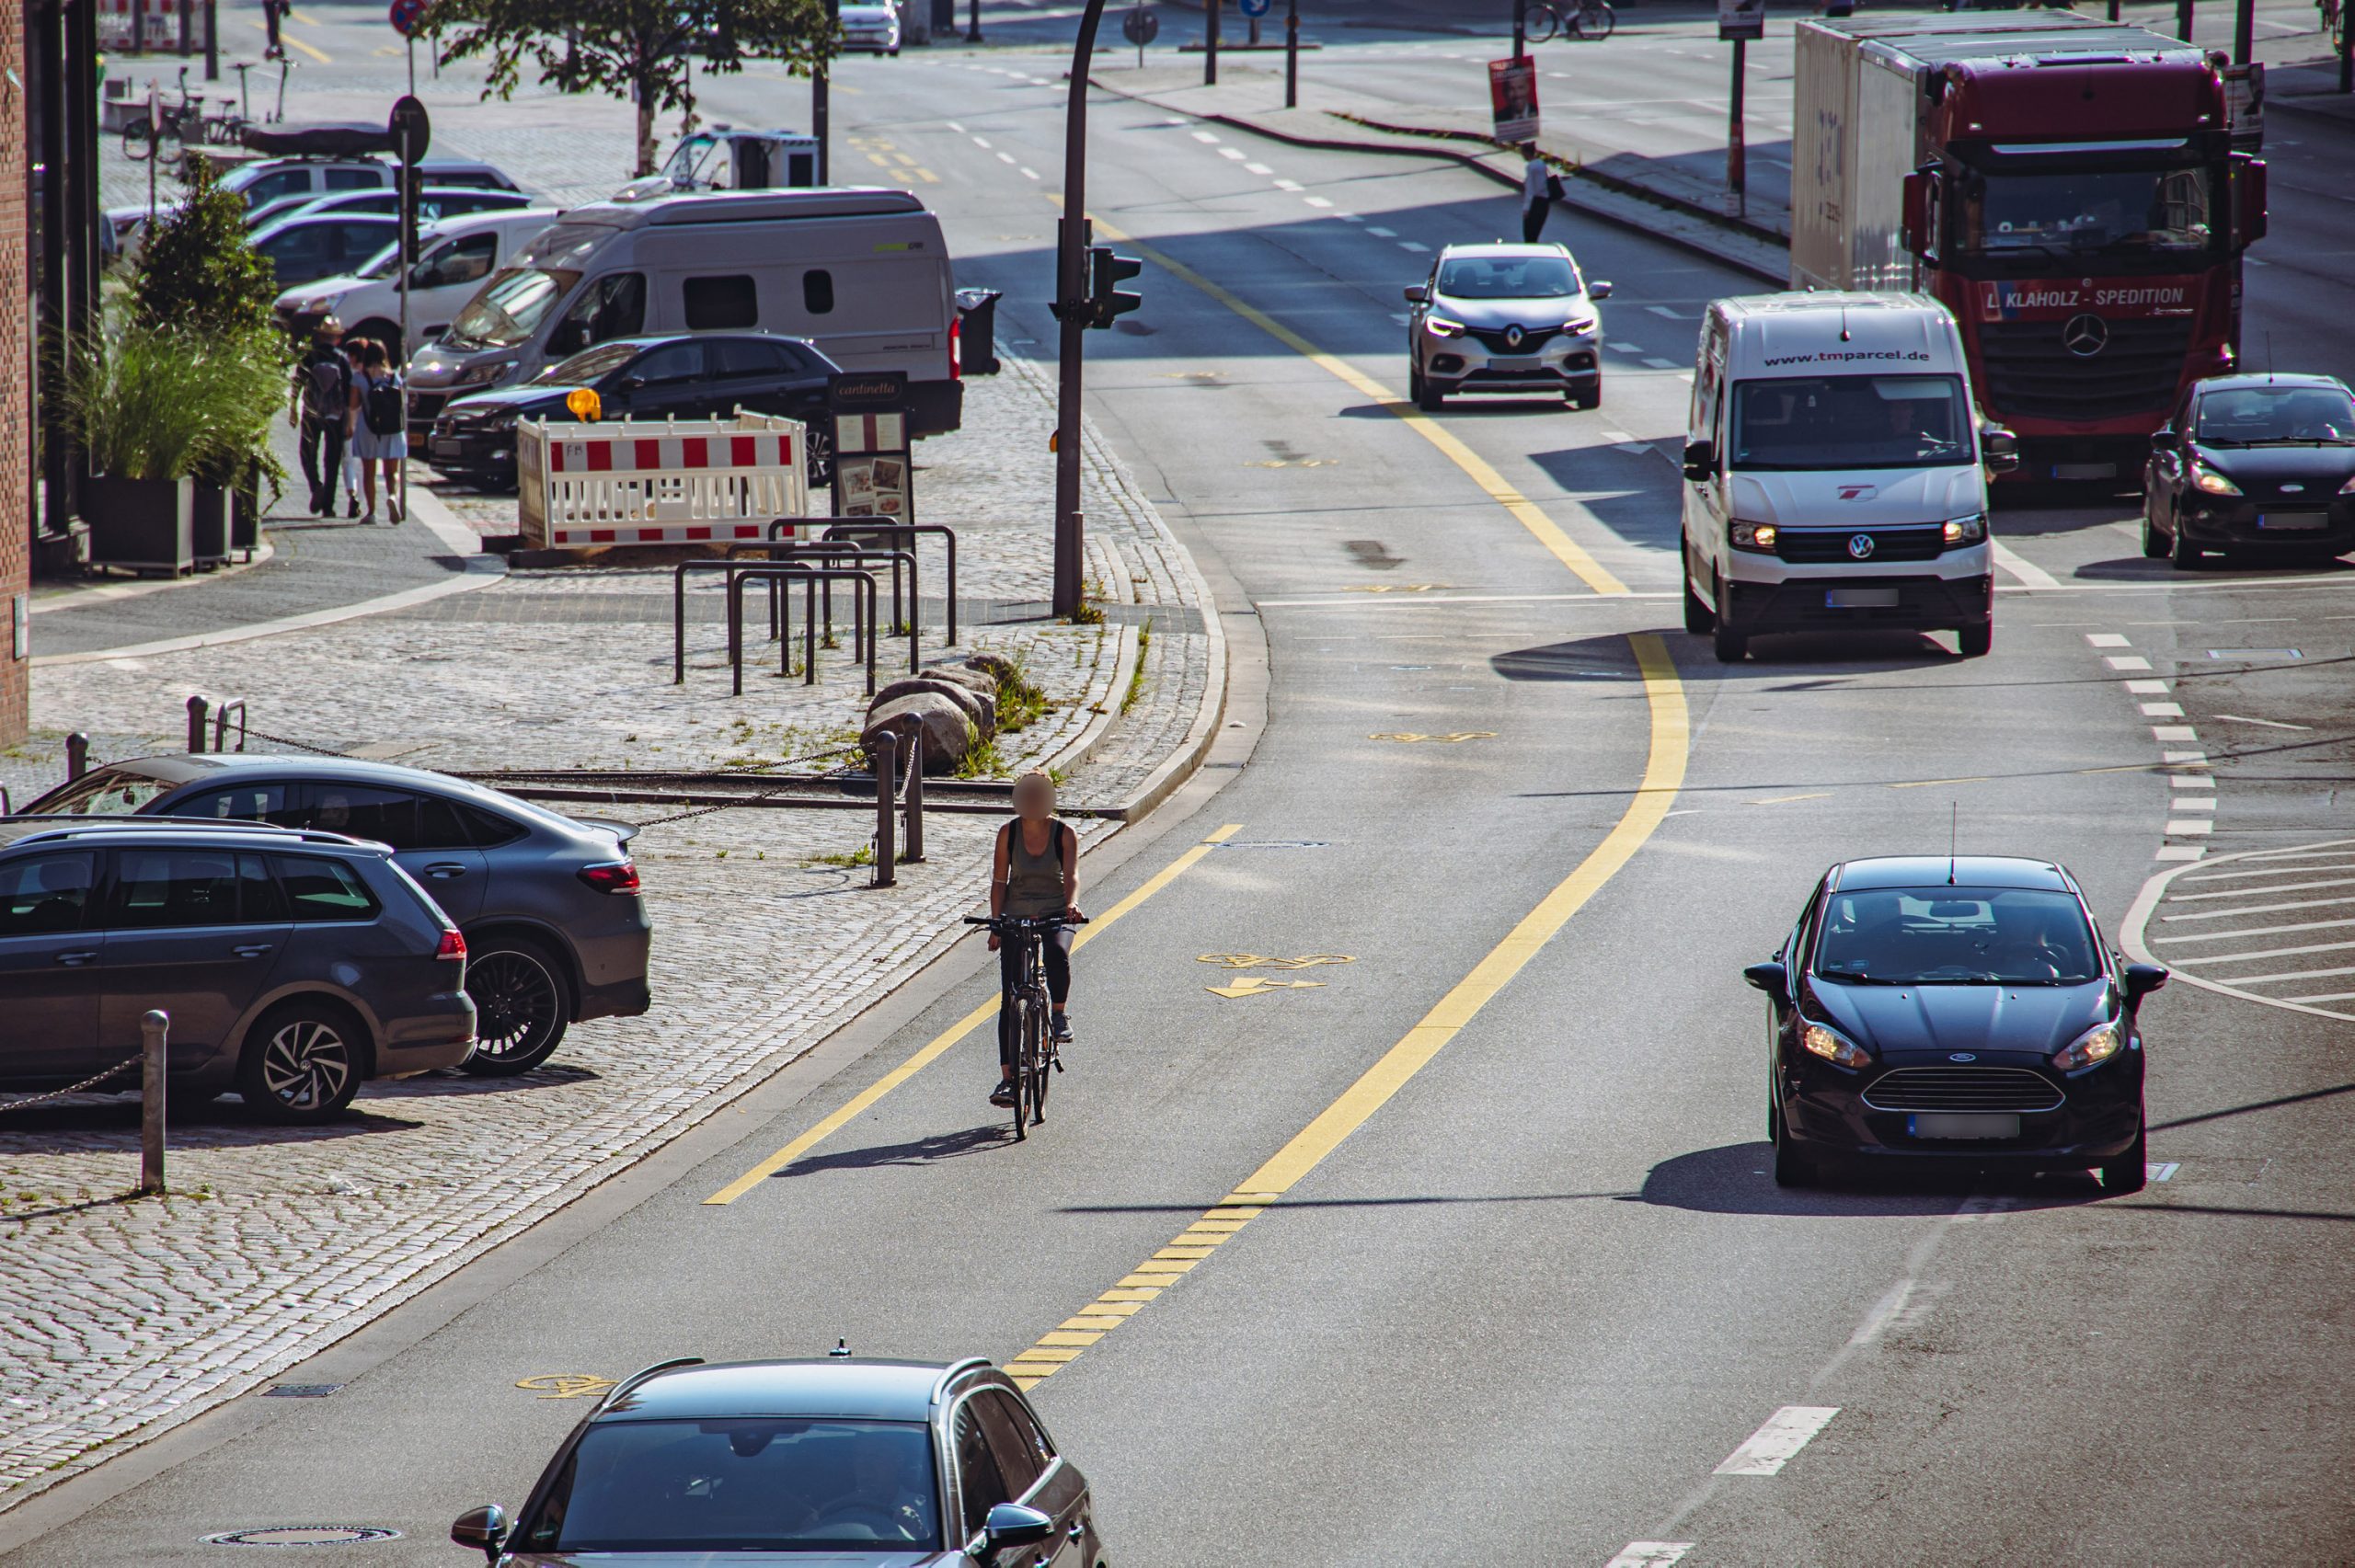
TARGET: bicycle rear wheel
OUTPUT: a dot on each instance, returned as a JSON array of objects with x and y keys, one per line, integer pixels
[
  {"x": 1542, "y": 23},
  {"x": 1593, "y": 23}
]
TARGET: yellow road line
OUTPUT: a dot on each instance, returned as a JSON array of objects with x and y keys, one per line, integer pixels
[
  {"x": 1526, "y": 512},
  {"x": 291, "y": 41},
  {"x": 939, "y": 1045},
  {"x": 1663, "y": 776}
]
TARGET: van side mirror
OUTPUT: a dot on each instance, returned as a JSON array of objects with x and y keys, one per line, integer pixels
[
  {"x": 1770, "y": 977},
  {"x": 1916, "y": 210},
  {"x": 2141, "y": 979},
  {"x": 1999, "y": 449},
  {"x": 2165, "y": 441},
  {"x": 2248, "y": 201},
  {"x": 1599, "y": 291},
  {"x": 1011, "y": 1526},
  {"x": 1700, "y": 463},
  {"x": 1416, "y": 294},
  {"x": 483, "y": 1528}
]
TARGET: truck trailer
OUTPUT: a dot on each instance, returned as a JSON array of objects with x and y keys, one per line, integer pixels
[{"x": 2066, "y": 187}]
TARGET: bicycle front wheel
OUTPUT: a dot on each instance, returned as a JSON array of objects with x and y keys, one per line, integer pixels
[
  {"x": 1593, "y": 23},
  {"x": 1543, "y": 22},
  {"x": 1041, "y": 1070},
  {"x": 1026, "y": 1065}
]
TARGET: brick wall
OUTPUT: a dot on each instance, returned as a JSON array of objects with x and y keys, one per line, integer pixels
[{"x": 15, "y": 374}]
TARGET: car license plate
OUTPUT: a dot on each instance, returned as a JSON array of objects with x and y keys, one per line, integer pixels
[
  {"x": 2293, "y": 520},
  {"x": 444, "y": 447},
  {"x": 1861, "y": 598},
  {"x": 1964, "y": 1124},
  {"x": 1515, "y": 366}
]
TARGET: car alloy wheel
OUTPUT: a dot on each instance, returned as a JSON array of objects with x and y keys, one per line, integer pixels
[
  {"x": 2182, "y": 554},
  {"x": 302, "y": 1065},
  {"x": 520, "y": 1008},
  {"x": 2155, "y": 544}
]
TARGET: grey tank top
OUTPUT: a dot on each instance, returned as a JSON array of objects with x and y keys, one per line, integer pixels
[{"x": 1034, "y": 883}]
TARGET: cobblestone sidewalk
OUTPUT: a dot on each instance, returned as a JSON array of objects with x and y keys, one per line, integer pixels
[{"x": 120, "y": 1318}]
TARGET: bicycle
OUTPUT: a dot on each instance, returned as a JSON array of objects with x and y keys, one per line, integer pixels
[
  {"x": 169, "y": 122},
  {"x": 1585, "y": 20},
  {"x": 2333, "y": 23},
  {"x": 1037, "y": 1056}
]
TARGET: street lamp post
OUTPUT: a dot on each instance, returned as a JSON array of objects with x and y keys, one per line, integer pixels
[
  {"x": 818, "y": 94},
  {"x": 1291, "y": 54},
  {"x": 1070, "y": 296}
]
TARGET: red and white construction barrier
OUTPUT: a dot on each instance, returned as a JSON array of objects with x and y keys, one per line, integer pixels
[{"x": 676, "y": 482}]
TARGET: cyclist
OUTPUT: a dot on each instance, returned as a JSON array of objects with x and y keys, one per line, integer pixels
[{"x": 1034, "y": 875}]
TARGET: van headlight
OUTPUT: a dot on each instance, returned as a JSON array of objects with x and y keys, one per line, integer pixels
[
  {"x": 1966, "y": 529},
  {"x": 1757, "y": 536},
  {"x": 484, "y": 373}
]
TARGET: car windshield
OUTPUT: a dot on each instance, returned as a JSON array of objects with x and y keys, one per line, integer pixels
[
  {"x": 383, "y": 264},
  {"x": 510, "y": 308},
  {"x": 1850, "y": 421},
  {"x": 1927, "y": 936},
  {"x": 2081, "y": 211},
  {"x": 1509, "y": 278},
  {"x": 763, "y": 1483},
  {"x": 2243, "y": 416},
  {"x": 587, "y": 365},
  {"x": 108, "y": 792}
]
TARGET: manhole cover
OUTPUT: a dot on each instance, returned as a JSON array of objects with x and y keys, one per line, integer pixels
[
  {"x": 303, "y": 1535},
  {"x": 300, "y": 1391}
]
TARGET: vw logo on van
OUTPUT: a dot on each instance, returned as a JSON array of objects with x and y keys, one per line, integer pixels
[
  {"x": 1861, "y": 547},
  {"x": 2085, "y": 336}
]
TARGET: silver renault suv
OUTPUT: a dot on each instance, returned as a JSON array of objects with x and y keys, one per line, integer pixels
[{"x": 1509, "y": 318}]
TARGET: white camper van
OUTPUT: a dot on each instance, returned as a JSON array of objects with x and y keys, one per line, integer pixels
[
  {"x": 861, "y": 273},
  {"x": 1834, "y": 473}
]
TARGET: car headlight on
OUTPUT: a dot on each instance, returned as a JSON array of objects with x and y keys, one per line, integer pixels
[
  {"x": 1439, "y": 327},
  {"x": 2348, "y": 488},
  {"x": 1832, "y": 1047},
  {"x": 1581, "y": 325},
  {"x": 2095, "y": 1045},
  {"x": 1966, "y": 529},
  {"x": 2213, "y": 483},
  {"x": 484, "y": 373},
  {"x": 1758, "y": 536}
]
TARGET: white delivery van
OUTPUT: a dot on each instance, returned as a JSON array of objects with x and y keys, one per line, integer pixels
[
  {"x": 861, "y": 273},
  {"x": 1834, "y": 473},
  {"x": 453, "y": 256}
]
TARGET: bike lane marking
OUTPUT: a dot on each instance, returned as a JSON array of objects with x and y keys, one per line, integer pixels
[
  {"x": 939, "y": 1045},
  {"x": 1663, "y": 777}
]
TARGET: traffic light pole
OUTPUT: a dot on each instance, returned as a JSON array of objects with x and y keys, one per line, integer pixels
[{"x": 1071, "y": 295}]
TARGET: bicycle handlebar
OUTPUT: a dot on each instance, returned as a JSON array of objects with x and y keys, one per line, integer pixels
[{"x": 1022, "y": 922}]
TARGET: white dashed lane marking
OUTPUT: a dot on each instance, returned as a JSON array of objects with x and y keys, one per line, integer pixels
[
  {"x": 2126, "y": 661},
  {"x": 1774, "y": 1445},
  {"x": 2106, "y": 639},
  {"x": 1650, "y": 1555}
]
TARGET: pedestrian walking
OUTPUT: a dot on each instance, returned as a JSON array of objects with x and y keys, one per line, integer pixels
[
  {"x": 322, "y": 393},
  {"x": 1540, "y": 189},
  {"x": 272, "y": 13},
  {"x": 379, "y": 433},
  {"x": 352, "y": 349}
]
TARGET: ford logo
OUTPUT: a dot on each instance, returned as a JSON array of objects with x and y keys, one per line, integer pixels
[
  {"x": 1861, "y": 547},
  {"x": 1961, "y": 1056}
]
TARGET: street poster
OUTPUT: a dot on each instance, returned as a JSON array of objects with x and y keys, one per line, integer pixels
[
  {"x": 1740, "y": 20},
  {"x": 1513, "y": 98}
]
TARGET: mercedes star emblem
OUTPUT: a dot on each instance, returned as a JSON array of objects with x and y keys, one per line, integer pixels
[
  {"x": 2085, "y": 336},
  {"x": 1861, "y": 547}
]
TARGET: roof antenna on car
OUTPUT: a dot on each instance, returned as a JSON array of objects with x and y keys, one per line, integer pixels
[
  {"x": 1953, "y": 827},
  {"x": 841, "y": 1351},
  {"x": 2269, "y": 356},
  {"x": 1844, "y": 321}
]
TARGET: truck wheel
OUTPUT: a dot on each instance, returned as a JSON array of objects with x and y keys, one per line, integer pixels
[
  {"x": 1731, "y": 646},
  {"x": 1972, "y": 642},
  {"x": 2155, "y": 544},
  {"x": 1699, "y": 619},
  {"x": 2182, "y": 554}
]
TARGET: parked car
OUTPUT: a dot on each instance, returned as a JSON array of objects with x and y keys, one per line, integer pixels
[
  {"x": 645, "y": 378},
  {"x": 549, "y": 906},
  {"x": 871, "y": 1463},
  {"x": 1957, "y": 1012},
  {"x": 303, "y": 249},
  {"x": 1507, "y": 318},
  {"x": 2259, "y": 465},
  {"x": 291, "y": 964},
  {"x": 453, "y": 256},
  {"x": 265, "y": 180},
  {"x": 871, "y": 28},
  {"x": 434, "y": 204}
]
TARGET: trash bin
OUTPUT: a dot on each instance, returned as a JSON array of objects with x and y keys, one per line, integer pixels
[{"x": 977, "y": 329}]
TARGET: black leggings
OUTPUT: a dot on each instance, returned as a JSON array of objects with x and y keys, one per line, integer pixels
[{"x": 1054, "y": 956}]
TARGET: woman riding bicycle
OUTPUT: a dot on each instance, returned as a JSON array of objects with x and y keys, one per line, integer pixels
[{"x": 1035, "y": 876}]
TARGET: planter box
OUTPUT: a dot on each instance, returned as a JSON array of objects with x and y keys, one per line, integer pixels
[
  {"x": 245, "y": 517},
  {"x": 141, "y": 524},
  {"x": 209, "y": 526}
]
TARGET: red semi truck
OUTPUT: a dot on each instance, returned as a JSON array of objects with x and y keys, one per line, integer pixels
[{"x": 2066, "y": 187}]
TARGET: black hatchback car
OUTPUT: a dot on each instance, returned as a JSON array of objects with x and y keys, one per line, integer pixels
[
  {"x": 2260, "y": 465},
  {"x": 864, "y": 1464},
  {"x": 707, "y": 376},
  {"x": 549, "y": 906},
  {"x": 1957, "y": 1009}
]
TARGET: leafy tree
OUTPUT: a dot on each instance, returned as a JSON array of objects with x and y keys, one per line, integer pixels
[
  {"x": 196, "y": 272},
  {"x": 633, "y": 49}
]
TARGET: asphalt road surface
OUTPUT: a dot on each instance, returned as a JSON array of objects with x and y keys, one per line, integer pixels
[{"x": 1488, "y": 825}]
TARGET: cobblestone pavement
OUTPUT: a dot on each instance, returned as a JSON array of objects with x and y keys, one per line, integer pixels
[{"x": 119, "y": 1318}]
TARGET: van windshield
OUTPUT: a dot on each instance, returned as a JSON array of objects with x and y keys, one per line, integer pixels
[
  {"x": 510, "y": 308},
  {"x": 1850, "y": 421}
]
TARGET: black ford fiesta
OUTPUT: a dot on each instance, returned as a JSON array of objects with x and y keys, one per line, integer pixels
[{"x": 1956, "y": 1010}]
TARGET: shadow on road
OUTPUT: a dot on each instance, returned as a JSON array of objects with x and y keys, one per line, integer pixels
[
  {"x": 916, "y": 1151},
  {"x": 1738, "y": 1178},
  {"x": 95, "y": 1126}
]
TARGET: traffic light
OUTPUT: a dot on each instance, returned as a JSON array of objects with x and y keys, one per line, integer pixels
[{"x": 1105, "y": 273}]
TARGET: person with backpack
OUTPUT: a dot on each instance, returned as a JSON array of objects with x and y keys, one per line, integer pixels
[
  {"x": 322, "y": 392},
  {"x": 1540, "y": 189},
  {"x": 379, "y": 427}
]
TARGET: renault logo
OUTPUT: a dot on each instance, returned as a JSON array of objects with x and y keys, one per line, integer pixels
[
  {"x": 1512, "y": 337},
  {"x": 1861, "y": 547},
  {"x": 1961, "y": 1056},
  {"x": 2085, "y": 336}
]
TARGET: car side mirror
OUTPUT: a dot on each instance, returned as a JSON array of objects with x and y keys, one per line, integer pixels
[
  {"x": 1416, "y": 294},
  {"x": 1999, "y": 449},
  {"x": 2163, "y": 440},
  {"x": 1598, "y": 291},
  {"x": 2141, "y": 979},
  {"x": 1700, "y": 463},
  {"x": 1010, "y": 1525},
  {"x": 1770, "y": 977},
  {"x": 484, "y": 1528},
  {"x": 1914, "y": 210},
  {"x": 633, "y": 383}
]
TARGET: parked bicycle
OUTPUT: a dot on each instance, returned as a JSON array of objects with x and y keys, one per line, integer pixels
[
  {"x": 1036, "y": 1058},
  {"x": 2333, "y": 23},
  {"x": 179, "y": 124},
  {"x": 1584, "y": 20}
]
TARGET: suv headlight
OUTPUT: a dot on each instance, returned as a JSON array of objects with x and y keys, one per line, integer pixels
[
  {"x": 1757, "y": 536},
  {"x": 2348, "y": 488},
  {"x": 1832, "y": 1047},
  {"x": 2098, "y": 1044},
  {"x": 1439, "y": 327},
  {"x": 2213, "y": 483},
  {"x": 1966, "y": 529},
  {"x": 484, "y": 373},
  {"x": 1581, "y": 325}
]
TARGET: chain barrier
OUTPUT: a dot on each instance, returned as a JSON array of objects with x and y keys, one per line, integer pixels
[
  {"x": 299, "y": 745},
  {"x": 86, "y": 1083},
  {"x": 765, "y": 796}
]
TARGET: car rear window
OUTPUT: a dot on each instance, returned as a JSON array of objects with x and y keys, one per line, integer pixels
[{"x": 322, "y": 889}]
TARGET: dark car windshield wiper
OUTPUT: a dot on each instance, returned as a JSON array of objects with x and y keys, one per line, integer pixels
[
  {"x": 1858, "y": 979},
  {"x": 2300, "y": 440}
]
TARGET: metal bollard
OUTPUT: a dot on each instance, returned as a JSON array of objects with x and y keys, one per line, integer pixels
[
  {"x": 914, "y": 800},
  {"x": 77, "y": 756},
  {"x": 196, "y": 710},
  {"x": 152, "y": 1030},
  {"x": 887, "y": 750}
]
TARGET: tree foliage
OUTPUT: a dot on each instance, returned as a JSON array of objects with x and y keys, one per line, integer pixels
[
  {"x": 196, "y": 270},
  {"x": 633, "y": 49}
]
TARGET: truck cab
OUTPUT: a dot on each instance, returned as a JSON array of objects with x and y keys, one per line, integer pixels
[{"x": 1835, "y": 474}]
